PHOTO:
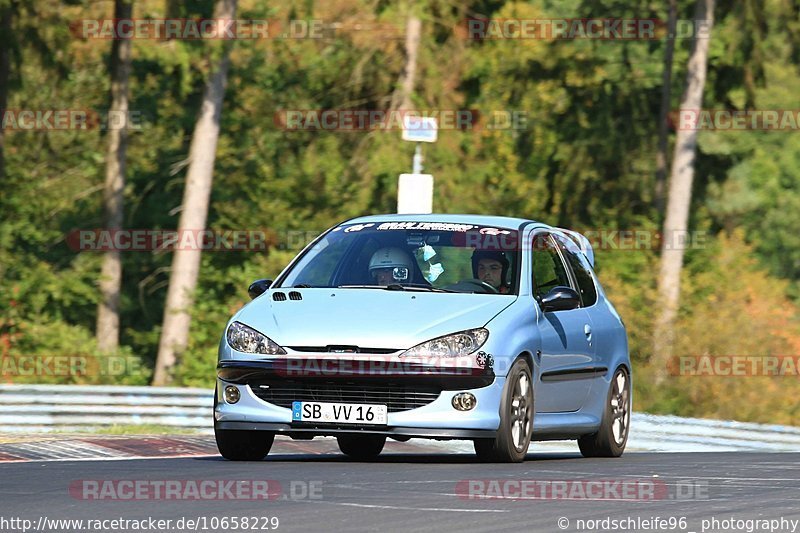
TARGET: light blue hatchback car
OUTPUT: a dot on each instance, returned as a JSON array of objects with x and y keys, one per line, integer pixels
[{"x": 491, "y": 329}]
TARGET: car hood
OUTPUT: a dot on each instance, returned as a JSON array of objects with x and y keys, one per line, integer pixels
[{"x": 368, "y": 318}]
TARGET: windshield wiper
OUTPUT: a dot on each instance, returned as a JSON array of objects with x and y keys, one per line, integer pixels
[
  {"x": 397, "y": 287},
  {"x": 419, "y": 286}
]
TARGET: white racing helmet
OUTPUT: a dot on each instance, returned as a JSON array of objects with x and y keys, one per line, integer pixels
[{"x": 389, "y": 258}]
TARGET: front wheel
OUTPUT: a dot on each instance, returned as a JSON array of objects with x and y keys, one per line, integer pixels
[
  {"x": 612, "y": 437},
  {"x": 516, "y": 420},
  {"x": 242, "y": 445},
  {"x": 361, "y": 447}
]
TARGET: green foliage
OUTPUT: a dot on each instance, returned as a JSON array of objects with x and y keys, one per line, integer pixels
[
  {"x": 730, "y": 307},
  {"x": 583, "y": 156}
]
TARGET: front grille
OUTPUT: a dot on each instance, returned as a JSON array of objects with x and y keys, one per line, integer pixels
[
  {"x": 396, "y": 397},
  {"x": 279, "y": 297},
  {"x": 354, "y": 349}
]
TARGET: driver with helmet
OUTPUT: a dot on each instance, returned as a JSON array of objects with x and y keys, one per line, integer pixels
[
  {"x": 383, "y": 263},
  {"x": 491, "y": 267}
]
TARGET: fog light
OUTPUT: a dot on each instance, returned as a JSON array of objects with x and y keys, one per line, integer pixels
[
  {"x": 464, "y": 401},
  {"x": 231, "y": 394}
]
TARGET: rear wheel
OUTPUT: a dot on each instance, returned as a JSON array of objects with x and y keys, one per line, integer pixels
[
  {"x": 516, "y": 420},
  {"x": 612, "y": 437},
  {"x": 361, "y": 447}
]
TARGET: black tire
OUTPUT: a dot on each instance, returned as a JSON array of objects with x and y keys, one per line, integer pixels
[
  {"x": 243, "y": 445},
  {"x": 616, "y": 417},
  {"x": 516, "y": 413},
  {"x": 361, "y": 447}
]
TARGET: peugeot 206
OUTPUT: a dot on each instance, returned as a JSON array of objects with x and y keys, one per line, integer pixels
[{"x": 484, "y": 328}]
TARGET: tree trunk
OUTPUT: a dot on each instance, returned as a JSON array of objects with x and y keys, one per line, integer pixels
[
  {"x": 680, "y": 197},
  {"x": 186, "y": 262},
  {"x": 107, "y": 330},
  {"x": 402, "y": 97},
  {"x": 666, "y": 94},
  {"x": 6, "y": 15}
]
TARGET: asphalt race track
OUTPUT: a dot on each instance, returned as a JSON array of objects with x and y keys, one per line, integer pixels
[{"x": 413, "y": 487}]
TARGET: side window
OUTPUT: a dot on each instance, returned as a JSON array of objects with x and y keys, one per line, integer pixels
[
  {"x": 581, "y": 269},
  {"x": 548, "y": 268}
]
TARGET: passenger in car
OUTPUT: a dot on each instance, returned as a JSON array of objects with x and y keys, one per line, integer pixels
[{"x": 383, "y": 263}]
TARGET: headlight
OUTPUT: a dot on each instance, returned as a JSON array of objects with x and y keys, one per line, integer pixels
[
  {"x": 247, "y": 340},
  {"x": 454, "y": 345}
]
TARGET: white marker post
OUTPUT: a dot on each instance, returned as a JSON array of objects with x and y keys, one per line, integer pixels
[
  {"x": 415, "y": 191},
  {"x": 415, "y": 194}
]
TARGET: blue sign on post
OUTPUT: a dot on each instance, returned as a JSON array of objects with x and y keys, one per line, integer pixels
[{"x": 419, "y": 129}]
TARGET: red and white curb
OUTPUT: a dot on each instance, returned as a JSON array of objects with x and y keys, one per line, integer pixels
[
  {"x": 21, "y": 448},
  {"x": 28, "y": 448}
]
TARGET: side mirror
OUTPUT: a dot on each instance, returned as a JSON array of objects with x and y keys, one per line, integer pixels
[
  {"x": 258, "y": 287},
  {"x": 560, "y": 299}
]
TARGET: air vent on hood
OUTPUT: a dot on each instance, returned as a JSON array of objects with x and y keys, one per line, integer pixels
[
  {"x": 294, "y": 295},
  {"x": 279, "y": 297}
]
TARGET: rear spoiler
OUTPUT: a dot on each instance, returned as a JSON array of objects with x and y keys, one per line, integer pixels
[{"x": 582, "y": 242}]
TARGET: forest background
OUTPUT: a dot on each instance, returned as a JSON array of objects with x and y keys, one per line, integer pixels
[{"x": 584, "y": 156}]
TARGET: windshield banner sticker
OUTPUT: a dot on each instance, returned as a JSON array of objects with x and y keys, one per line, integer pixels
[{"x": 431, "y": 226}]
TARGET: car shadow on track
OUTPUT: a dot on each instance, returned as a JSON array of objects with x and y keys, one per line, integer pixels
[{"x": 405, "y": 458}]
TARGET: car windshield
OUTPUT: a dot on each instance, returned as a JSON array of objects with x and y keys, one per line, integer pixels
[{"x": 422, "y": 256}]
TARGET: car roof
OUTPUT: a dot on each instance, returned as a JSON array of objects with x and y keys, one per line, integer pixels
[{"x": 481, "y": 220}]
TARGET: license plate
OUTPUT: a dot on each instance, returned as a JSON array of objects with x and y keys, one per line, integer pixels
[{"x": 339, "y": 413}]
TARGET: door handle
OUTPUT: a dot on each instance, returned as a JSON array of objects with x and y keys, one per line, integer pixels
[{"x": 587, "y": 330}]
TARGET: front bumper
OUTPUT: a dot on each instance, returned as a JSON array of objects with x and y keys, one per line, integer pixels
[
  {"x": 450, "y": 378},
  {"x": 438, "y": 419}
]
